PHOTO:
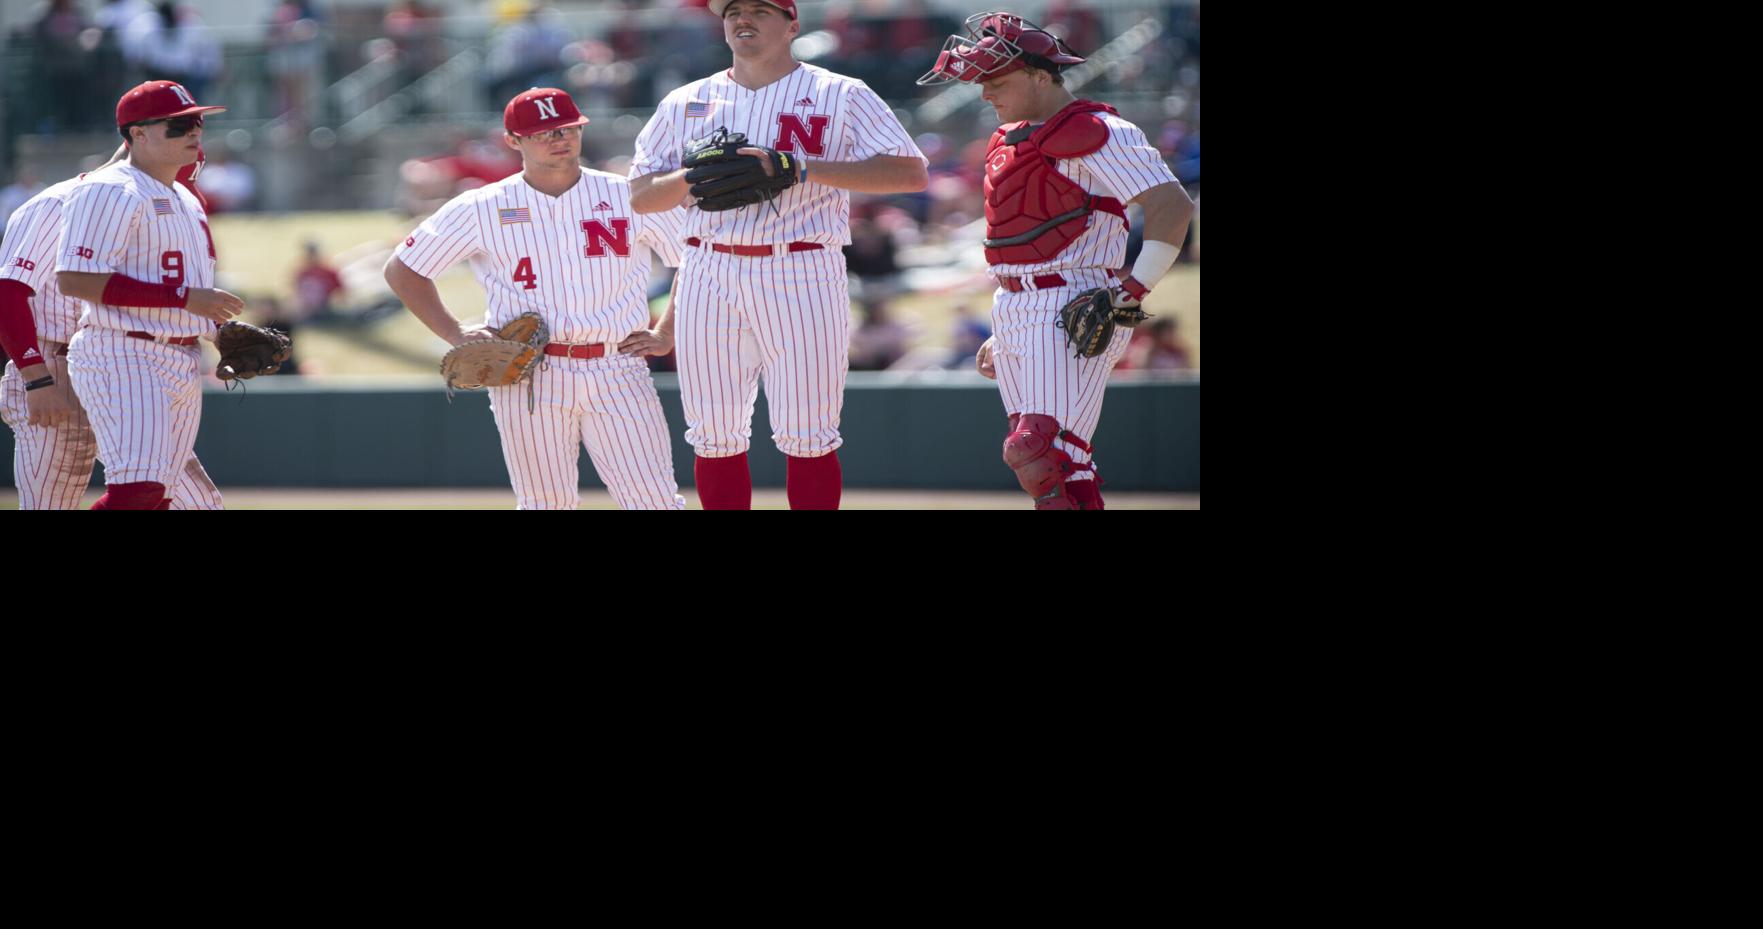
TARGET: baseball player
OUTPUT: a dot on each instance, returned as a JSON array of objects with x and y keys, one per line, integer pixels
[
  {"x": 562, "y": 241},
  {"x": 54, "y": 449},
  {"x": 1058, "y": 176},
  {"x": 136, "y": 248},
  {"x": 763, "y": 291}
]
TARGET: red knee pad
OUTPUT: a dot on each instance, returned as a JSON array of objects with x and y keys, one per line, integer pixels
[
  {"x": 1042, "y": 469},
  {"x": 1028, "y": 450},
  {"x": 145, "y": 495}
]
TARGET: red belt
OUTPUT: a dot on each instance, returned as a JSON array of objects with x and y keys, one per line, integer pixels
[
  {"x": 754, "y": 251},
  {"x": 169, "y": 340},
  {"x": 1042, "y": 281},
  {"x": 576, "y": 351}
]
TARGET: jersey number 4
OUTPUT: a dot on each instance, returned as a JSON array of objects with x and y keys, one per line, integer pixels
[{"x": 523, "y": 274}]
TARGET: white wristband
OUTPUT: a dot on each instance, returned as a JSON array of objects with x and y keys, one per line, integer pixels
[{"x": 1155, "y": 260}]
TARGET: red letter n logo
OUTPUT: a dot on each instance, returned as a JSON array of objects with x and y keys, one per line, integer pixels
[
  {"x": 790, "y": 131},
  {"x": 619, "y": 237}
]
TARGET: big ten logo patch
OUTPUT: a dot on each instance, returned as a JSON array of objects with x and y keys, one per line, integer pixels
[
  {"x": 80, "y": 251},
  {"x": 811, "y": 137},
  {"x": 599, "y": 237},
  {"x": 24, "y": 263}
]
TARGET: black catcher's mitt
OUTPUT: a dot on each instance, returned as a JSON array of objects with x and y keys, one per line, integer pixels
[
  {"x": 721, "y": 179},
  {"x": 1089, "y": 320},
  {"x": 247, "y": 351}
]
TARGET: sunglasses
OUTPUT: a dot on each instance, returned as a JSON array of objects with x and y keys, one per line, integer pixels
[
  {"x": 555, "y": 135},
  {"x": 176, "y": 126}
]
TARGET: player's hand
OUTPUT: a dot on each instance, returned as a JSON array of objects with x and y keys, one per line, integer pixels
[
  {"x": 983, "y": 360},
  {"x": 217, "y": 305},
  {"x": 56, "y": 406},
  {"x": 764, "y": 157},
  {"x": 647, "y": 342},
  {"x": 474, "y": 334}
]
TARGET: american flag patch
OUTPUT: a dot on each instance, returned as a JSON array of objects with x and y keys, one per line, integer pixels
[
  {"x": 697, "y": 110},
  {"x": 520, "y": 215},
  {"x": 161, "y": 206}
]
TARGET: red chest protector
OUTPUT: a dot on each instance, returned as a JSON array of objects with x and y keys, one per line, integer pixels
[{"x": 1032, "y": 211}]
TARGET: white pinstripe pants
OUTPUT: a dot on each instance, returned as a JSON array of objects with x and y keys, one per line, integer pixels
[
  {"x": 50, "y": 466},
  {"x": 144, "y": 402},
  {"x": 607, "y": 404},
  {"x": 785, "y": 319},
  {"x": 1037, "y": 372}
]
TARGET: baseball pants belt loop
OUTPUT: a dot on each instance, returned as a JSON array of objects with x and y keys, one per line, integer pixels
[
  {"x": 167, "y": 339},
  {"x": 568, "y": 350},
  {"x": 756, "y": 251}
]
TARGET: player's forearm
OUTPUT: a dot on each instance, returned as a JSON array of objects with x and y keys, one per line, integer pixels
[
  {"x": 658, "y": 193},
  {"x": 82, "y": 285},
  {"x": 18, "y": 329},
  {"x": 883, "y": 174},
  {"x": 1167, "y": 212},
  {"x": 665, "y": 324},
  {"x": 423, "y": 299}
]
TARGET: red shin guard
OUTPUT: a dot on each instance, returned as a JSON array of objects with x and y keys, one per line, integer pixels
[
  {"x": 814, "y": 483},
  {"x": 724, "y": 483},
  {"x": 145, "y": 495}
]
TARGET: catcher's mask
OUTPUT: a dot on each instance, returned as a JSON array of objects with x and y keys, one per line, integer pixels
[{"x": 997, "y": 44}]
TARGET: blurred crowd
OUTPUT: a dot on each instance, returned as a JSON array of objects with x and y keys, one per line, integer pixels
[{"x": 69, "y": 64}]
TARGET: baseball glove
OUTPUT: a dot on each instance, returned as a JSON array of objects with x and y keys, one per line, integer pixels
[
  {"x": 1089, "y": 320},
  {"x": 507, "y": 359},
  {"x": 721, "y": 179},
  {"x": 247, "y": 351}
]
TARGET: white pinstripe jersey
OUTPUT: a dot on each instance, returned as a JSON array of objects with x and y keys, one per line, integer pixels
[
  {"x": 580, "y": 260},
  {"x": 29, "y": 258},
  {"x": 120, "y": 220},
  {"x": 1124, "y": 167},
  {"x": 818, "y": 115}
]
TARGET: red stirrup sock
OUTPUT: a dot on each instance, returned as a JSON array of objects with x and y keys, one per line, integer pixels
[
  {"x": 724, "y": 483},
  {"x": 145, "y": 495},
  {"x": 814, "y": 483}
]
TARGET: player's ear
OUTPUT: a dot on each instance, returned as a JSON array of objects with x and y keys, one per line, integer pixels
[{"x": 511, "y": 140}]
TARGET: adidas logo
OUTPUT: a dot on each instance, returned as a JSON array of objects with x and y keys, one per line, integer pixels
[
  {"x": 805, "y": 101},
  {"x": 603, "y": 205}
]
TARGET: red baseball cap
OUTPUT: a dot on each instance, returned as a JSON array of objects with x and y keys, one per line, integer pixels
[
  {"x": 788, "y": 6},
  {"x": 541, "y": 109},
  {"x": 158, "y": 100}
]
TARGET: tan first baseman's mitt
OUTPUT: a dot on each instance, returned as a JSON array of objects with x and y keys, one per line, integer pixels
[{"x": 509, "y": 358}]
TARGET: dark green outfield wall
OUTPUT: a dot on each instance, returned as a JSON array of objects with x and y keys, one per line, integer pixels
[{"x": 898, "y": 434}]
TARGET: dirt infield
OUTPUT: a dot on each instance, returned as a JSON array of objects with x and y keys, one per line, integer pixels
[{"x": 370, "y": 498}]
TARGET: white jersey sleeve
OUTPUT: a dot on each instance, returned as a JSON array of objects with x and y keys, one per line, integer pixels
[
  {"x": 871, "y": 128},
  {"x": 659, "y": 146},
  {"x": 664, "y": 234},
  {"x": 449, "y": 236},
  {"x": 29, "y": 258},
  {"x": 31, "y": 236},
  {"x": 98, "y": 220},
  {"x": 1124, "y": 167}
]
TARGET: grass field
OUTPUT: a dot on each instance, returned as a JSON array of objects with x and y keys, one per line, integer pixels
[
  {"x": 260, "y": 252},
  {"x": 263, "y": 498}
]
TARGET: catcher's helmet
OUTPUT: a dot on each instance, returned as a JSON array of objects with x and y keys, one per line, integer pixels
[{"x": 995, "y": 45}]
